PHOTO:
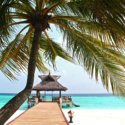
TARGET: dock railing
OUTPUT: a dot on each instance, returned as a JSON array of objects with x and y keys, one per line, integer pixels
[{"x": 66, "y": 100}]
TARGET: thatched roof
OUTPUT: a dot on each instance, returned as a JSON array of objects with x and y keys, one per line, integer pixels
[
  {"x": 49, "y": 83},
  {"x": 44, "y": 76}
]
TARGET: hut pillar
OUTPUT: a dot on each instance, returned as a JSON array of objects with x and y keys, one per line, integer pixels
[
  {"x": 38, "y": 95},
  {"x": 60, "y": 93}
]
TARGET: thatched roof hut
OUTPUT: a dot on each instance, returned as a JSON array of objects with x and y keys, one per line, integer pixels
[{"x": 49, "y": 83}]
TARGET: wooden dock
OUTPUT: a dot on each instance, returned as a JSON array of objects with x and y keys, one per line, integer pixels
[{"x": 47, "y": 113}]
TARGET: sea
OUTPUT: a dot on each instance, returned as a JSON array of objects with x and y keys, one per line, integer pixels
[{"x": 85, "y": 101}]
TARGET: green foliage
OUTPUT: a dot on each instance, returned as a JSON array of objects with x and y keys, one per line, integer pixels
[{"x": 93, "y": 30}]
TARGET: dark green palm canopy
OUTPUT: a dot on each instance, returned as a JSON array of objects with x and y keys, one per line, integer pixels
[{"x": 93, "y": 30}]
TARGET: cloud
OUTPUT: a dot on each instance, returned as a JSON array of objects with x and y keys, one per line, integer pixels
[
  {"x": 61, "y": 41},
  {"x": 64, "y": 72}
]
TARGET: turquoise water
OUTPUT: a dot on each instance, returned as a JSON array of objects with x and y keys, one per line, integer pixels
[{"x": 86, "y": 101}]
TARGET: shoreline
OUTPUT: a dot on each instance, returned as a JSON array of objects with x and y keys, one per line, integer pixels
[
  {"x": 90, "y": 116},
  {"x": 16, "y": 114}
]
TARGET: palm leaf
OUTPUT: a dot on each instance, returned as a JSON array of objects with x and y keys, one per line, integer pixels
[
  {"x": 104, "y": 61},
  {"x": 94, "y": 35}
]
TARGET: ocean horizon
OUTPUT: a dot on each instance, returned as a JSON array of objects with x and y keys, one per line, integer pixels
[
  {"x": 65, "y": 94},
  {"x": 86, "y": 101}
]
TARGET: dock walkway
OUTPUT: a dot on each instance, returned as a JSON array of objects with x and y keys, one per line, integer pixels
[{"x": 47, "y": 113}]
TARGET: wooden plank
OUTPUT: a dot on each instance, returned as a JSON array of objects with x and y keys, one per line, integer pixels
[{"x": 42, "y": 113}]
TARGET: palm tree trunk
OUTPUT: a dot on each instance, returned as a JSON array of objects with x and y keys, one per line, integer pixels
[{"x": 10, "y": 108}]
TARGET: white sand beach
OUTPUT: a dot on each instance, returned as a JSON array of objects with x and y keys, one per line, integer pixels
[
  {"x": 91, "y": 117},
  {"x": 16, "y": 114},
  {"x": 97, "y": 117}
]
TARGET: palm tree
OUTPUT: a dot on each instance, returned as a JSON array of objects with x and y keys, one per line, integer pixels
[{"x": 89, "y": 40}]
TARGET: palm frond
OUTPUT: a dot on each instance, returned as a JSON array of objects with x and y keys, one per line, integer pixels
[
  {"x": 104, "y": 61},
  {"x": 14, "y": 65},
  {"x": 108, "y": 14},
  {"x": 49, "y": 54},
  {"x": 50, "y": 43},
  {"x": 40, "y": 63},
  {"x": 93, "y": 29},
  {"x": 6, "y": 52}
]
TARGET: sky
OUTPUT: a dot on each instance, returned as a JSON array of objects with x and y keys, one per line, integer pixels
[{"x": 74, "y": 77}]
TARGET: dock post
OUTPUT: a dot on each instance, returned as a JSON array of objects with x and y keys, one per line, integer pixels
[{"x": 60, "y": 93}]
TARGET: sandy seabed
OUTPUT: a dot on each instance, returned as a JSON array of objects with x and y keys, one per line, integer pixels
[{"x": 90, "y": 117}]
